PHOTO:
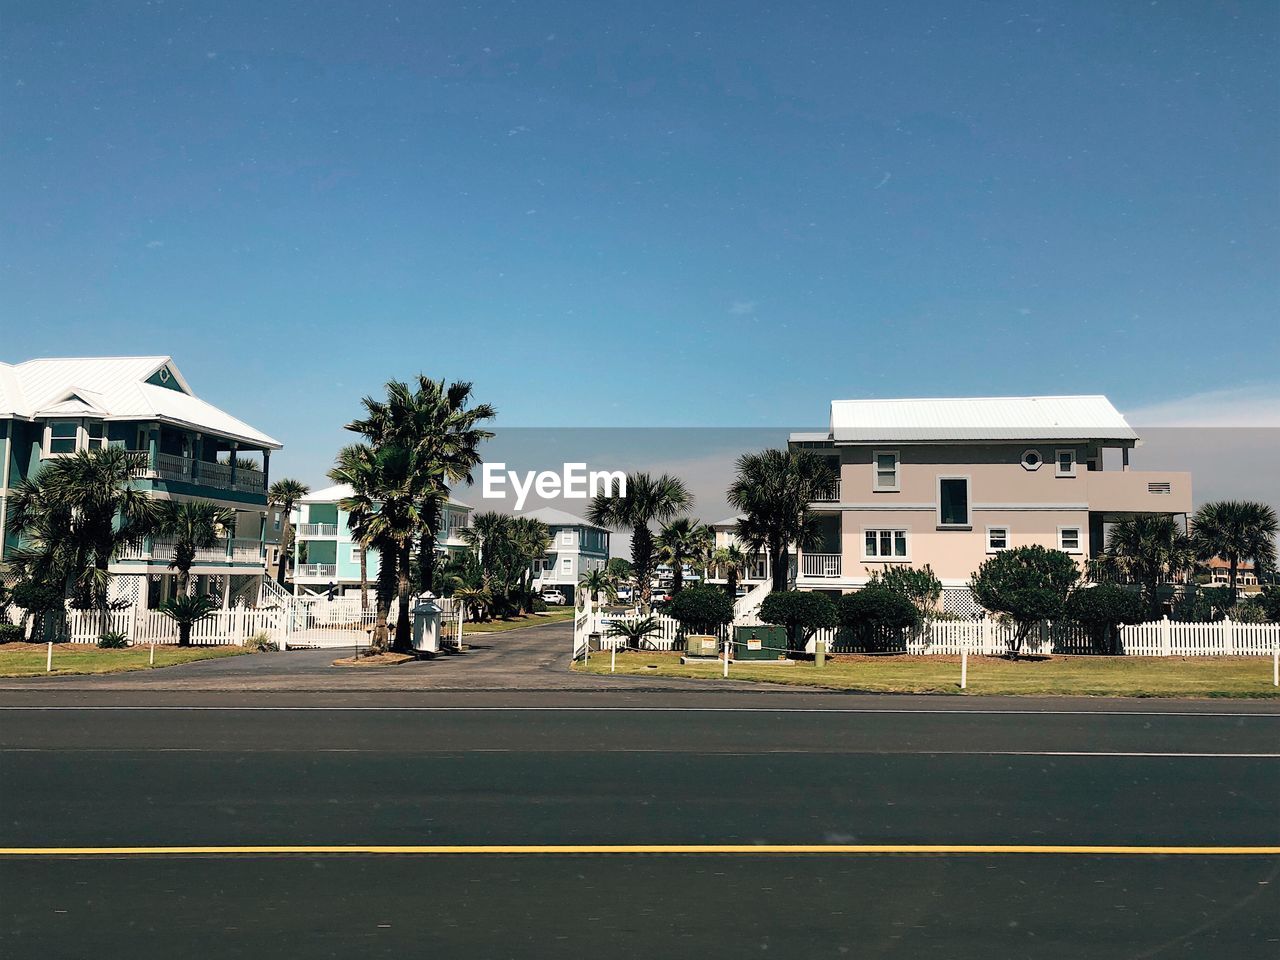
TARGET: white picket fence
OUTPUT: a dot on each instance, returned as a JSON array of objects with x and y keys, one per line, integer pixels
[
  {"x": 151, "y": 626},
  {"x": 1163, "y": 638}
]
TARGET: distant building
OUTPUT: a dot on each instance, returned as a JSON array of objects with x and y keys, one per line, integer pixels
[
  {"x": 325, "y": 553},
  {"x": 577, "y": 547}
]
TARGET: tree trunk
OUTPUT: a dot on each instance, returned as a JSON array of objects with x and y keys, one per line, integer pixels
[
  {"x": 286, "y": 542},
  {"x": 1231, "y": 577},
  {"x": 401, "y": 643},
  {"x": 427, "y": 563},
  {"x": 642, "y": 559},
  {"x": 184, "y": 634},
  {"x": 733, "y": 583},
  {"x": 386, "y": 588},
  {"x": 778, "y": 557},
  {"x": 364, "y": 579}
]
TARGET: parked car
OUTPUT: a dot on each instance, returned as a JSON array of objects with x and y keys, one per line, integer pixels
[{"x": 553, "y": 597}]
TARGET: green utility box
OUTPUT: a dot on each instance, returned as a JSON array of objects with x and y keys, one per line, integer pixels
[{"x": 760, "y": 643}]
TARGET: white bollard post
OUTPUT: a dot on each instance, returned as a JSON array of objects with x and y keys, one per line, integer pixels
[
  {"x": 1275, "y": 666},
  {"x": 726, "y": 658},
  {"x": 964, "y": 667},
  {"x": 613, "y": 659},
  {"x": 48, "y": 661},
  {"x": 151, "y": 662}
]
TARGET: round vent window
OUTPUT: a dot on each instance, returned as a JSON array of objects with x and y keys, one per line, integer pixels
[
  {"x": 164, "y": 374},
  {"x": 1031, "y": 460}
]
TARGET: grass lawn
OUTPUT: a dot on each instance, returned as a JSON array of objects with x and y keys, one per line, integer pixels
[
  {"x": 1062, "y": 676},
  {"x": 553, "y": 615},
  {"x": 28, "y": 659}
]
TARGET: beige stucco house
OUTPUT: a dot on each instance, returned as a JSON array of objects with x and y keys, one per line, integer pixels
[{"x": 948, "y": 482}]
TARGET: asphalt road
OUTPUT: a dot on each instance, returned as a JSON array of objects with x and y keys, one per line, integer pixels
[{"x": 507, "y": 769}]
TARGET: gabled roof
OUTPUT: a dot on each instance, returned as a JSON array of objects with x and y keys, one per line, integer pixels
[
  {"x": 341, "y": 491},
  {"x": 727, "y": 521},
  {"x": 116, "y": 388},
  {"x": 559, "y": 518},
  {"x": 976, "y": 418}
]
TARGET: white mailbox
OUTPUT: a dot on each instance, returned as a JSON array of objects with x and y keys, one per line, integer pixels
[{"x": 426, "y": 627}]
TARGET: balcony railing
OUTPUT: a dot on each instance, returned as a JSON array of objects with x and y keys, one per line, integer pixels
[
  {"x": 317, "y": 530},
  {"x": 240, "y": 550},
  {"x": 316, "y": 571},
  {"x": 820, "y": 565},
  {"x": 170, "y": 466},
  {"x": 829, "y": 494}
]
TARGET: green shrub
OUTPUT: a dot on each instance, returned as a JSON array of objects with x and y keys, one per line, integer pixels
[
  {"x": 802, "y": 612},
  {"x": 1269, "y": 600},
  {"x": 1247, "y": 611},
  {"x": 701, "y": 609},
  {"x": 539, "y": 605},
  {"x": 113, "y": 640},
  {"x": 922, "y": 587},
  {"x": 1202, "y": 604},
  {"x": 11, "y": 633},
  {"x": 1027, "y": 585},
  {"x": 260, "y": 642},
  {"x": 878, "y": 615},
  {"x": 1101, "y": 610}
]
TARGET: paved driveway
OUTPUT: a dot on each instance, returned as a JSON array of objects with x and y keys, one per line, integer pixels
[{"x": 531, "y": 658}]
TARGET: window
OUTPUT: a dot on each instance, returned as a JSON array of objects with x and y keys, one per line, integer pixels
[
  {"x": 1069, "y": 539},
  {"x": 953, "y": 501},
  {"x": 566, "y": 538},
  {"x": 97, "y": 434},
  {"x": 885, "y": 544},
  {"x": 357, "y": 552},
  {"x": 1066, "y": 463},
  {"x": 886, "y": 464},
  {"x": 1031, "y": 460},
  {"x": 566, "y": 565},
  {"x": 997, "y": 539},
  {"x": 63, "y": 435}
]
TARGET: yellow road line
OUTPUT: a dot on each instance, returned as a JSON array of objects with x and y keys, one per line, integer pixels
[{"x": 646, "y": 848}]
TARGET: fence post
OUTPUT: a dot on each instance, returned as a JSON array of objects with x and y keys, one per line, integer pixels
[
  {"x": 1228, "y": 637},
  {"x": 1166, "y": 636},
  {"x": 988, "y": 635}
]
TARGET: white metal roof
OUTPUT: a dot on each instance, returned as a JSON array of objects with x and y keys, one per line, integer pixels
[
  {"x": 115, "y": 388},
  {"x": 559, "y": 518},
  {"x": 976, "y": 418},
  {"x": 341, "y": 491}
]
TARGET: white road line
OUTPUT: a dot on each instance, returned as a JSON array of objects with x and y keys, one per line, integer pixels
[{"x": 252, "y": 708}]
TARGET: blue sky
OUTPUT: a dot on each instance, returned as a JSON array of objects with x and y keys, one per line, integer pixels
[{"x": 644, "y": 213}]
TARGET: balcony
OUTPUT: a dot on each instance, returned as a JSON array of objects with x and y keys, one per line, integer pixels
[
  {"x": 239, "y": 551},
  {"x": 829, "y": 494},
  {"x": 819, "y": 565},
  {"x": 217, "y": 475},
  {"x": 316, "y": 571},
  {"x": 1138, "y": 491},
  {"x": 309, "y": 530}
]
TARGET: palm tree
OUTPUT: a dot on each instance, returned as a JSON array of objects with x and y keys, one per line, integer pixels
[
  {"x": 647, "y": 499},
  {"x": 474, "y": 600},
  {"x": 597, "y": 582},
  {"x": 730, "y": 561},
  {"x": 357, "y": 468},
  {"x": 187, "y": 610},
  {"x": 773, "y": 490},
  {"x": 76, "y": 516},
  {"x": 635, "y": 631},
  {"x": 1235, "y": 530},
  {"x": 436, "y": 424},
  {"x": 531, "y": 539},
  {"x": 194, "y": 525},
  {"x": 1149, "y": 549},
  {"x": 683, "y": 541},
  {"x": 284, "y": 495}
]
